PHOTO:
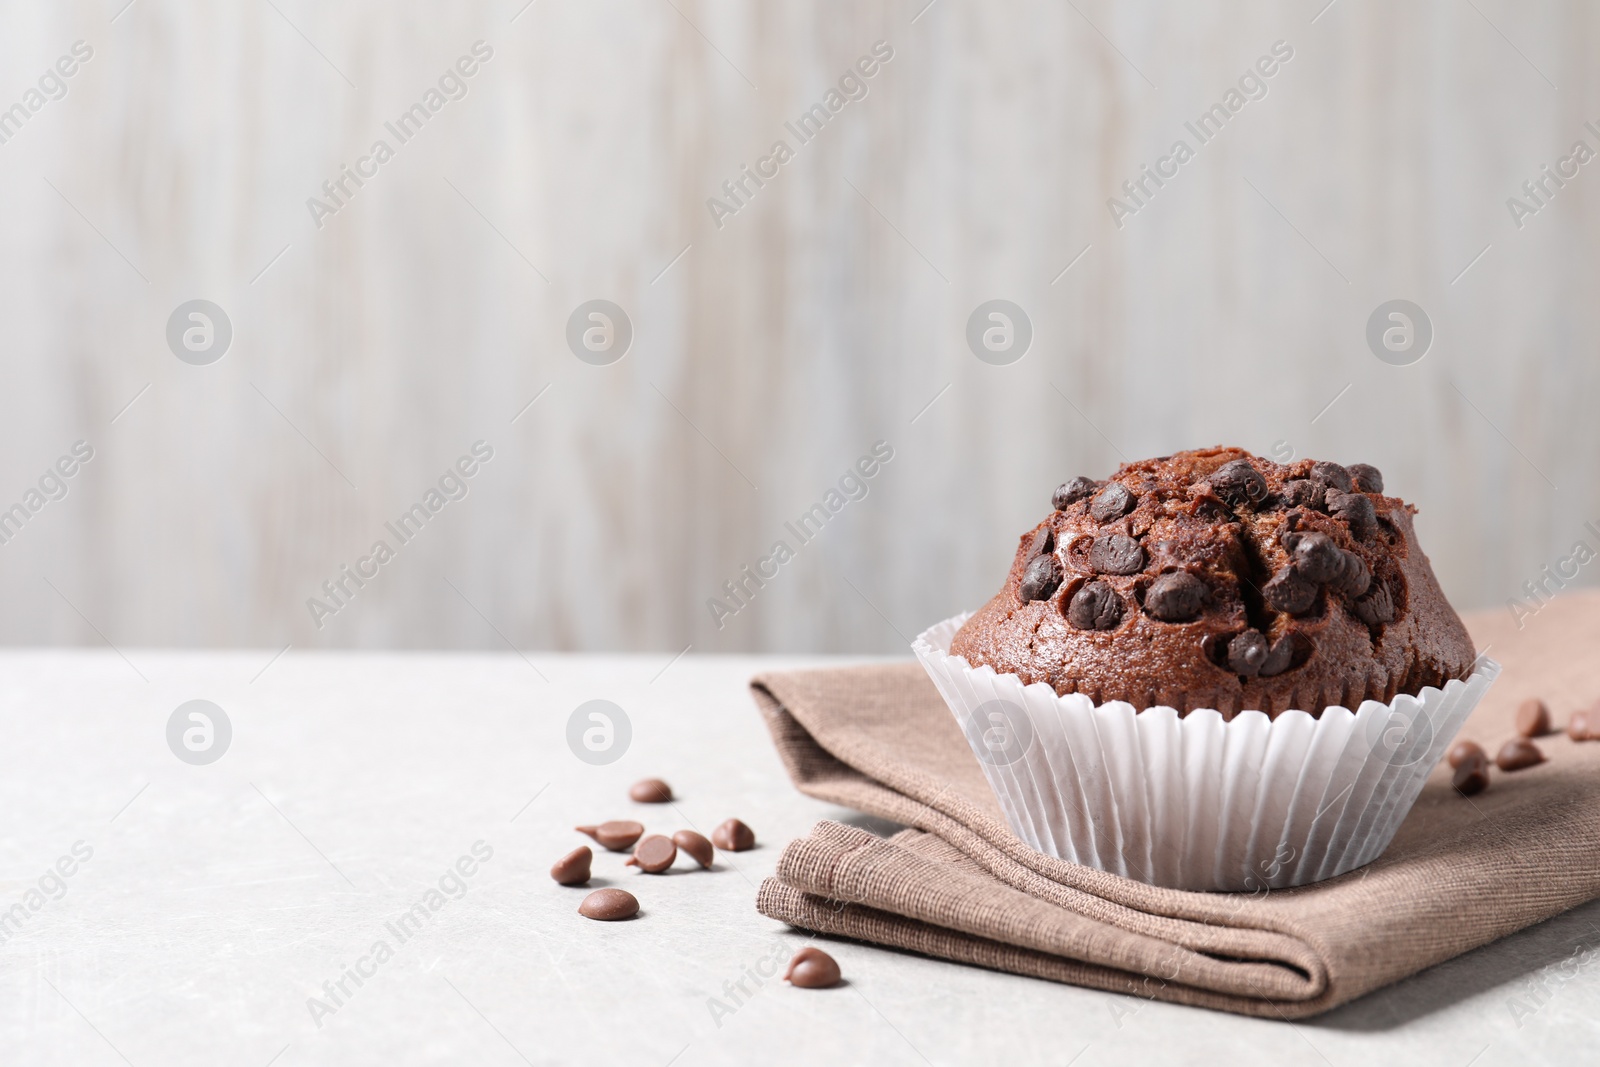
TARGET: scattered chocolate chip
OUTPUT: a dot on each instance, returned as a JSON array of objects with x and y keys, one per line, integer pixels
[
  {"x": 695, "y": 846},
  {"x": 1533, "y": 718},
  {"x": 1238, "y": 483},
  {"x": 1354, "y": 508},
  {"x": 1300, "y": 493},
  {"x": 1368, "y": 478},
  {"x": 650, "y": 791},
  {"x": 1377, "y": 607},
  {"x": 1247, "y": 652},
  {"x": 1280, "y": 658},
  {"x": 1095, "y": 606},
  {"x": 1582, "y": 726},
  {"x": 618, "y": 835},
  {"x": 609, "y": 905},
  {"x": 1316, "y": 557},
  {"x": 1116, "y": 554},
  {"x": 1462, "y": 751},
  {"x": 733, "y": 836},
  {"x": 1289, "y": 592},
  {"x": 653, "y": 855},
  {"x": 1113, "y": 502},
  {"x": 1472, "y": 777},
  {"x": 1331, "y": 476},
  {"x": 1518, "y": 753},
  {"x": 573, "y": 868},
  {"x": 812, "y": 968},
  {"x": 1177, "y": 596},
  {"x": 1040, "y": 579},
  {"x": 1069, "y": 492},
  {"x": 1353, "y": 578}
]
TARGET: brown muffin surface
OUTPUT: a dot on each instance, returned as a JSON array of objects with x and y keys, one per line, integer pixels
[{"x": 1218, "y": 579}]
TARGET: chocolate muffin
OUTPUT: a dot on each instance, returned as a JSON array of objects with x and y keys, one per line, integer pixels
[{"x": 1218, "y": 579}]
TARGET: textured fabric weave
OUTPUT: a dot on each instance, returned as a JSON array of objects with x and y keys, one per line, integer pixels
[{"x": 960, "y": 885}]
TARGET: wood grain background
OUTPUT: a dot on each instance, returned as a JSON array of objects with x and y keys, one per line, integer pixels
[{"x": 779, "y": 346}]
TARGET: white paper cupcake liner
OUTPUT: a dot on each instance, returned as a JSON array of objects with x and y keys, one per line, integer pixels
[{"x": 1193, "y": 802}]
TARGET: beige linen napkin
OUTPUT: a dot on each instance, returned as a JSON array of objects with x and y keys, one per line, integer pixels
[{"x": 960, "y": 885}]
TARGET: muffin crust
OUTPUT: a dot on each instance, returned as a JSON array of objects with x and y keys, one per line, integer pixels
[{"x": 1218, "y": 579}]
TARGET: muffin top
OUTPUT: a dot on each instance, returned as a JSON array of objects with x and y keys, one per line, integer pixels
[{"x": 1218, "y": 579}]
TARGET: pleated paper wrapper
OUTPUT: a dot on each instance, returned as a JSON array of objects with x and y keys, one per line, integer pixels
[{"x": 1194, "y": 802}]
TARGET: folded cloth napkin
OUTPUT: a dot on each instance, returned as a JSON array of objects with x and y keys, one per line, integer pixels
[{"x": 960, "y": 885}]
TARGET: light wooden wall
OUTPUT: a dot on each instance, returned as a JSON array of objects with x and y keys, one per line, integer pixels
[{"x": 821, "y": 318}]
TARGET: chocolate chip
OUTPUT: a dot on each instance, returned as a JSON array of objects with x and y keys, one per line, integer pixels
[
  {"x": 1040, "y": 579},
  {"x": 1584, "y": 726},
  {"x": 1301, "y": 493},
  {"x": 1280, "y": 658},
  {"x": 1354, "y": 508},
  {"x": 618, "y": 835},
  {"x": 1095, "y": 606},
  {"x": 733, "y": 836},
  {"x": 1289, "y": 592},
  {"x": 1238, "y": 483},
  {"x": 1069, "y": 492},
  {"x": 653, "y": 855},
  {"x": 1247, "y": 652},
  {"x": 1044, "y": 540},
  {"x": 1177, "y": 596},
  {"x": 650, "y": 791},
  {"x": 1316, "y": 557},
  {"x": 1116, "y": 554},
  {"x": 812, "y": 968},
  {"x": 695, "y": 846},
  {"x": 609, "y": 905},
  {"x": 1472, "y": 777},
  {"x": 1331, "y": 476},
  {"x": 1533, "y": 718},
  {"x": 1368, "y": 478},
  {"x": 1353, "y": 578},
  {"x": 1113, "y": 502},
  {"x": 1376, "y": 608},
  {"x": 1462, "y": 751},
  {"x": 1518, "y": 753},
  {"x": 573, "y": 868}
]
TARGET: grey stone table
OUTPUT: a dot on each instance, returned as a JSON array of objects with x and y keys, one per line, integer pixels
[{"x": 158, "y": 911}]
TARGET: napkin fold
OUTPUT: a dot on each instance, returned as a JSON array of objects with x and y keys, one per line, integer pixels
[{"x": 959, "y": 885}]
